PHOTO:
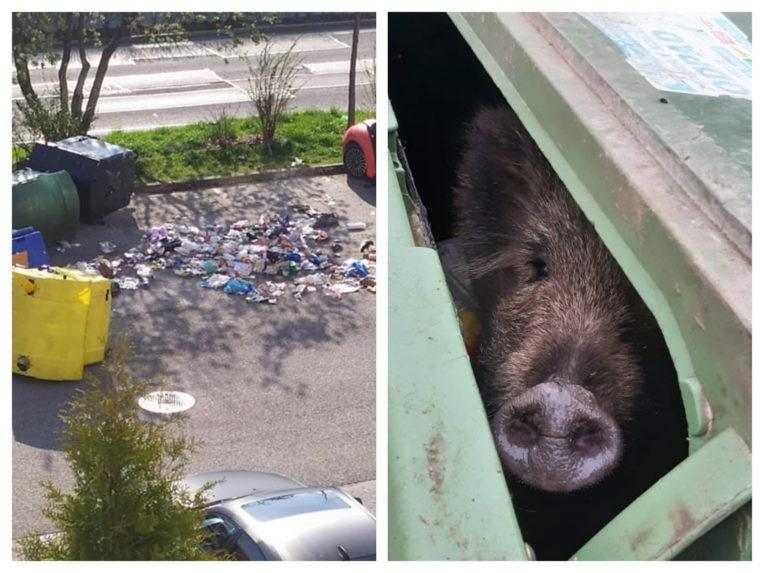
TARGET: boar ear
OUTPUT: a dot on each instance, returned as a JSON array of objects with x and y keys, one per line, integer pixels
[{"x": 503, "y": 179}]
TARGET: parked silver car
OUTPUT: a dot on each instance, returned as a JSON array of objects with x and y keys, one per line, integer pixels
[{"x": 260, "y": 516}]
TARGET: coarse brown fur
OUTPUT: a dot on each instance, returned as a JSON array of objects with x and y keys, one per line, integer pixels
[{"x": 553, "y": 298}]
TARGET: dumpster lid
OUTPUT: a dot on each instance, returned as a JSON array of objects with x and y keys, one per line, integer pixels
[
  {"x": 90, "y": 147},
  {"x": 682, "y": 85}
]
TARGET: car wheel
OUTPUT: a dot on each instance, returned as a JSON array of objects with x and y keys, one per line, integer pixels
[{"x": 354, "y": 160}]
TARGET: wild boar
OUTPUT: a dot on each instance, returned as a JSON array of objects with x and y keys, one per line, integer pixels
[{"x": 577, "y": 381}]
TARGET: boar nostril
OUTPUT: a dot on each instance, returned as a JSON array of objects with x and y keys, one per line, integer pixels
[
  {"x": 523, "y": 431},
  {"x": 588, "y": 438}
]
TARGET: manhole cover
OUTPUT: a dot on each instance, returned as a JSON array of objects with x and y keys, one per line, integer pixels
[{"x": 166, "y": 402}]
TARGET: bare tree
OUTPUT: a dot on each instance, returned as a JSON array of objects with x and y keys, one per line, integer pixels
[
  {"x": 41, "y": 33},
  {"x": 353, "y": 59},
  {"x": 271, "y": 85},
  {"x": 55, "y": 38}
]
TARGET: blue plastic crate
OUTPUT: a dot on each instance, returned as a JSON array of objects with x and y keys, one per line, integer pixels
[{"x": 31, "y": 241}]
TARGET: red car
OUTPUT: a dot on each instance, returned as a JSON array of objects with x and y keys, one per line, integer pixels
[{"x": 358, "y": 149}]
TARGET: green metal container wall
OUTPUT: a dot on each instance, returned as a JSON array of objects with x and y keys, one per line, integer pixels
[
  {"x": 439, "y": 440},
  {"x": 48, "y": 202},
  {"x": 655, "y": 199},
  {"x": 695, "y": 280}
]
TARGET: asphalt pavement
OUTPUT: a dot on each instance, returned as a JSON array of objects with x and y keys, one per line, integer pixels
[
  {"x": 287, "y": 388},
  {"x": 153, "y": 85}
]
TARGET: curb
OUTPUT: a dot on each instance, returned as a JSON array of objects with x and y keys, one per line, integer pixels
[
  {"x": 328, "y": 26},
  {"x": 257, "y": 177}
]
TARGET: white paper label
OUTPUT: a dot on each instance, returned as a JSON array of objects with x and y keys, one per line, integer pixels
[{"x": 702, "y": 54}]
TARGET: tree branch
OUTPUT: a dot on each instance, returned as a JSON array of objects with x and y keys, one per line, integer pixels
[
  {"x": 353, "y": 58},
  {"x": 84, "y": 70},
  {"x": 63, "y": 86},
  {"x": 22, "y": 77},
  {"x": 103, "y": 66}
]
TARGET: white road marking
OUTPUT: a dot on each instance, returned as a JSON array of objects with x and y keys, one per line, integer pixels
[
  {"x": 324, "y": 87},
  {"x": 126, "y": 55},
  {"x": 123, "y": 85},
  {"x": 338, "y": 67},
  {"x": 168, "y": 50},
  {"x": 195, "y": 98},
  {"x": 122, "y": 104},
  {"x": 126, "y": 84},
  {"x": 341, "y": 43},
  {"x": 317, "y": 42},
  {"x": 121, "y": 57}
]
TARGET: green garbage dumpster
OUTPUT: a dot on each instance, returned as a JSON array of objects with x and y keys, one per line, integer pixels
[
  {"x": 664, "y": 173},
  {"x": 46, "y": 201}
]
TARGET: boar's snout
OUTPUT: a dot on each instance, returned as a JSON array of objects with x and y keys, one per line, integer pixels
[{"x": 555, "y": 437}]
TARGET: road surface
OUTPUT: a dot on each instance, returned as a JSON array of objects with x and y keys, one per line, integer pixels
[
  {"x": 288, "y": 388},
  {"x": 153, "y": 85}
]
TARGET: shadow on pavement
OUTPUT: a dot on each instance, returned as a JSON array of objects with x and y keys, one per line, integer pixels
[
  {"x": 36, "y": 406},
  {"x": 365, "y": 189},
  {"x": 184, "y": 335}
]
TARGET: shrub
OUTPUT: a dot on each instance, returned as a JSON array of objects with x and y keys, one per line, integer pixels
[
  {"x": 126, "y": 503},
  {"x": 271, "y": 86}
]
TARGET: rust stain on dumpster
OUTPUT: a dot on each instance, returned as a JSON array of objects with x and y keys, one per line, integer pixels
[
  {"x": 683, "y": 522},
  {"x": 640, "y": 538},
  {"x": 435, "y": 462}
]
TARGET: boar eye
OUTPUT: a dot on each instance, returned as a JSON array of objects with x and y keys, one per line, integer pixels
[{"x": 539, "y": 268}]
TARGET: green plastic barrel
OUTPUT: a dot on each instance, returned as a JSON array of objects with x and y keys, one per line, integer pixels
[{"x": 46, "y": 201}]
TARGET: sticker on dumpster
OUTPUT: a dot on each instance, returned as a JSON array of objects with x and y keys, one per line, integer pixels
[{"x": 700, "y": 54}]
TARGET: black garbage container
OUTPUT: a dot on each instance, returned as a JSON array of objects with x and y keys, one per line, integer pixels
[{"x": 103, "y": 173}]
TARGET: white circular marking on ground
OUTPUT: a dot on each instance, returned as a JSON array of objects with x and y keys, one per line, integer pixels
[{"x": 166, "y": 402}]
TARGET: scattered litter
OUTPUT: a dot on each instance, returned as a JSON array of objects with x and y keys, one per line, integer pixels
[
  {"x": 326, "y": 221},
  {"x": 336, "y": 290},
  {"x": 144, "y": 271},
  {"x": 355, "y": 268},
  {"x": 104, "y": 268},
  {"x": 356, "y": 226},
  {"x": 268, "y": 292},
  {"x": 369, "y": 250},
  {"x": 107, "y": 247},
  {"x": 128, "y": 283},
  {"x": 63, "y": 246},
  {"x": 238, "y": 286},
  {"x": 296, "y": 163},
  {"x": 259, "y": 259},
  {"x": 369, "y": 283},
  {"x": 216, "y": 281},
  {"x": 166, "y": 402}
]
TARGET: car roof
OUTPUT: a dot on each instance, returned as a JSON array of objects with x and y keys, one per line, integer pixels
[
  {"x": 329, "y": 518},
  {"x": 236, "y": 484}
]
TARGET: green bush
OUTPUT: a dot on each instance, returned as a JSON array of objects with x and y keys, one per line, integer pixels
[
  {"x": 188, "y": 152},
  {"x": 221, "y": 132},
  {"x": 182, "y": 153},
  {"x": 126, "y": 503}
]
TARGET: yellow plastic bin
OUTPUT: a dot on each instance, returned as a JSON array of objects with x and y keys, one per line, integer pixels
[
  {"x": 60, "y": 322},
  {"x": 99, "y": 313}
]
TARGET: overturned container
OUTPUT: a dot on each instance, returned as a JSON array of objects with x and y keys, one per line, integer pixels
[
  {"x": 46, "y": 201},
  {"x": 103, "y": 173},
  {"x": 60, "y": 322},
  {"x": 28, "y": 247}
]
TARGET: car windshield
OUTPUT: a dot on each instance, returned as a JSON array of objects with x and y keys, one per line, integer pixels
[{"x": 293, "y": 504}]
